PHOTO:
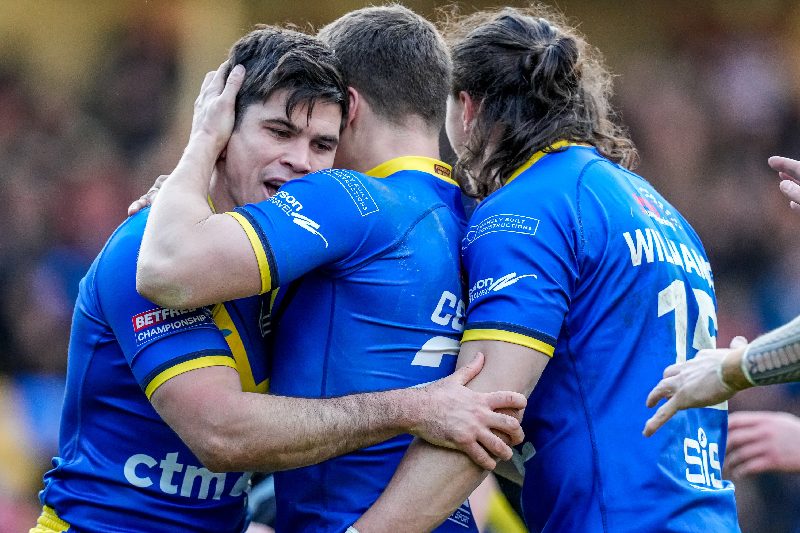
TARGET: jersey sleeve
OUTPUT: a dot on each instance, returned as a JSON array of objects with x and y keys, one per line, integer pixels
[
  {"x": 311, "y": 222},
  {"x": 521, "y": 256},
  {"x": 157, "y": 343}
]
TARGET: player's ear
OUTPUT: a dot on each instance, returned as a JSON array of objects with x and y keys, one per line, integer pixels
[
  {"x": 469, "y": 107},
  {"x": 355, "y": 102}
]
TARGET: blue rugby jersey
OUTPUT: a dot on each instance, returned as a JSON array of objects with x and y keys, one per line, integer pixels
[
  {"x": 583, "y": 260},
  {"x": 120, "y": 467},
  {"x": 370, "y": 300}
]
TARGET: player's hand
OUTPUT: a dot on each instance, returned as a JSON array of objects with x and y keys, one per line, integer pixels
[
  {"x": 762, "y": 441},
  {"x": 455, "y": 416},
  {"x": 215, "y": 109},
  {"x": 147, "y": 198},
  {"x": 789, "y": 171},
  {"x": 693, "y": 383}
]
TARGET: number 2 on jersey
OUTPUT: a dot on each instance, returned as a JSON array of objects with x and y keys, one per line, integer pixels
[{"x": 674, "y": 298}]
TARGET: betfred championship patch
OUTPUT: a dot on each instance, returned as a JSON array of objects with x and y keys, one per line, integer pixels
[{"x": 155, "y": 323}]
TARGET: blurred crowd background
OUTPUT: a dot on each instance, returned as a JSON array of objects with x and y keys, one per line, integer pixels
[{"x": 95, "y": 103}]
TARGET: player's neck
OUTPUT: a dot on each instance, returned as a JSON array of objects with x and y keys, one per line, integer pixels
[
  {"x": 221, "y": 199},
  {"x": 383, "y": 142}
]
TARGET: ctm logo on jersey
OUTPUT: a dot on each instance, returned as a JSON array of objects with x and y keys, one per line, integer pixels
[
  {"x": 292, "y": 207},
  {"x": 703, "y": 468},
  {"x": 176, "y": 478},
  {"x": 488, "y": 285}
]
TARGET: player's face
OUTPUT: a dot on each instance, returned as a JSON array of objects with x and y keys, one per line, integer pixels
[
  {"x": 454, "y": 125},
  {"x": 268, "y": 148}
]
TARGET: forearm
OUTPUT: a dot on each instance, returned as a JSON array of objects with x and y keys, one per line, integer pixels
[
  {"x": 278, "y": 433},
  {"x": 179, "y": 210},
  {"x": 407, "y": 505},
  {"x": 430, "y": 481},
  {"x": 773, "y": 357}
]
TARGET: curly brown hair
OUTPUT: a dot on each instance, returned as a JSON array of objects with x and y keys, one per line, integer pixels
[{"x": 535, "y": 80}]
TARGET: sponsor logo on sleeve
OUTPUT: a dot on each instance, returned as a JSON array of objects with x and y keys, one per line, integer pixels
[
  {"x": 655, "y": 208},
  {"x": 364, "y": 201},
  {"x": 487, "y": 285},
  {"x": 291, "y": 206},
  {"x": 703, "y": 464},
  {"x": 505, "y": 223},
  {"x": 158, "y": 322}
]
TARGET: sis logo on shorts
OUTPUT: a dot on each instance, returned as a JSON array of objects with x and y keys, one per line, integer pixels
[
  {"x": 703, "y": 467},
  {"x": 156, "y": 323}
]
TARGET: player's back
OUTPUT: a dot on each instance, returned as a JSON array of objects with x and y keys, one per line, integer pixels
[
  {"x": 120, "y": 467},
  {"x": 620, "y": 287},
  {"x": 387, "y": 316}
]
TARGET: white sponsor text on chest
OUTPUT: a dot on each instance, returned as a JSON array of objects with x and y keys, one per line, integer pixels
[{"x": 505, "y": 222}]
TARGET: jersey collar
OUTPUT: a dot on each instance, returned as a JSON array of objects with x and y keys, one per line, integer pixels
[
  {"x": 431, "y": 166},
  {"x": 540, "y": 154}
]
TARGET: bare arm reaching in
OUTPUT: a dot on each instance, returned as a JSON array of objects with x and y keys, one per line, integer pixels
[
  {"x": 233, "y": 430},
  {"x": 714, "y": 376}
]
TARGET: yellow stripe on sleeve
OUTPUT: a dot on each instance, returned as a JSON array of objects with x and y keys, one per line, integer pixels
[
  {"x": 258, "y": 248},
  {"x": 193, "y": 364},
  {"x": 508, "y": 336},
  {"x": 49, "y": 522}
]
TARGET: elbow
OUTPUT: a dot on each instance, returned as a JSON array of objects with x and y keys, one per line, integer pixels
[
  {"x": 218, "y": 449},
  {"x": 216, "y": 455},
  {"x": 159, "y": 282}
]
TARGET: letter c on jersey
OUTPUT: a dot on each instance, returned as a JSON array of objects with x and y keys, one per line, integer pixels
[
  {"x": 449, "y": 302},
  {"x": 130, "y": 469}
]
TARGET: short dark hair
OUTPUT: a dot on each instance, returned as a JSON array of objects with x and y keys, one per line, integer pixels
[
  {"x": 396, "y": 59},
  {"x": 282, "y": 59},
  {"x": 535, "y": 81}
]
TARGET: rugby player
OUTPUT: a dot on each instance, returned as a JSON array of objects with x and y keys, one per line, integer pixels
[
  {"x": 715, "y": 375},
  {"x": 367, "y": 259},
  {"x": 584, "y": 283},
  {"x": 160, "y": 411}
]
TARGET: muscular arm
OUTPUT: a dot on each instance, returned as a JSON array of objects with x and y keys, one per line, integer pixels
[
  {"x": 431, "y": 482},
  {"x": 185, "y": 245},
  {"x": 231, "y": 430}
]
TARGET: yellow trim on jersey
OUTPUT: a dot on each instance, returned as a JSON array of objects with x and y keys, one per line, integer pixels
[
  {"x": 187, "y": 366},
  {"x": 273, "y": 295},
  {"x": 508, "y": 336},
  {"x": 502, "y": 517},
  {"x": 258, "y": 248},
  {"x": 540, "y": 154},
  {"x": 224, "y": 321},
  {"x": 49, "y": 522},
  {"x": 434, "y": 167}
]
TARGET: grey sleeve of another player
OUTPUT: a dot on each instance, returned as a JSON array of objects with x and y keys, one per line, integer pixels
[{"x": 774, "y": 357}]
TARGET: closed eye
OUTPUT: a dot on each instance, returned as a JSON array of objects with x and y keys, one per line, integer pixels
[{"x": 279, "y": 133}]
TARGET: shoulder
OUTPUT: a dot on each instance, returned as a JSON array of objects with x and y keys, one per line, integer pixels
[
  {"x": 127, "y": 238},
  {"x": 347, "y": 191},
  {"x": 119, "y": 255}
]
